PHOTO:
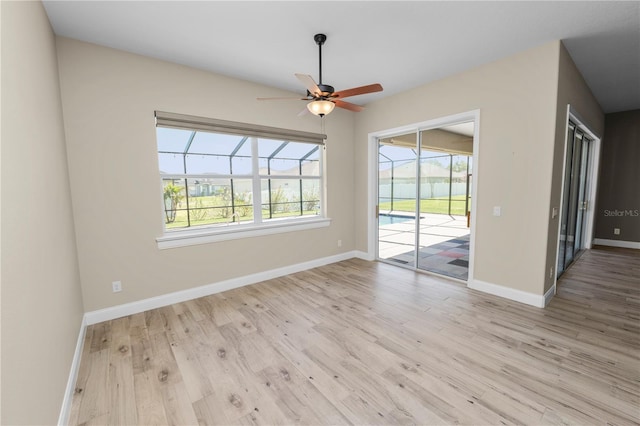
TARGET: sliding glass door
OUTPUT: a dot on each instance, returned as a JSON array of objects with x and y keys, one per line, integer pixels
[
  {"x": 575, "y": 197},
  {"x": 424, "y": 199},
  {"x": 397, "y": 199}
]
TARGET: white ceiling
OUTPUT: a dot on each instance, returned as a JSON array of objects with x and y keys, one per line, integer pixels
[{"x": 396, "y": 43}]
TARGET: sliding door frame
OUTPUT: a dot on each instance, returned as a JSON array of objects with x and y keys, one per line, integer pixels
[
  {"x": 372, "y": 193},
  {"x": 593, "y": 165}
]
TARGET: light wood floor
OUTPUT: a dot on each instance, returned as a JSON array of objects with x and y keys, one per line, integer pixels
[{"x": 368, "y": 343}]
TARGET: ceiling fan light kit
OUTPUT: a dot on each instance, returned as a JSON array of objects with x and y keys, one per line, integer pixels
[
  {"x": 320, "y": 108},
  {"x": 323, "y": 97}
]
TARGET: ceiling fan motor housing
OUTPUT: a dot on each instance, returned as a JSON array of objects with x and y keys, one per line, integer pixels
[{"x": 325, "y": 89}]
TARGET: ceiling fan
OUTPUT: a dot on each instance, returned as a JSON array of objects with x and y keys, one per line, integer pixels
[{"x": 323, "y": 98}]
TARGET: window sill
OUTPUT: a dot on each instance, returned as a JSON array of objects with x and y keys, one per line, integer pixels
[{"x": 190, "y": 237}]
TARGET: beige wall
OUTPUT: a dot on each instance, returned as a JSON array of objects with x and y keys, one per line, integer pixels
[
  {"x": 618, "y": 188},
  {"x": 41, "y": 297},
  {"x": 109, "y": 97},
  {"x": 516, "y": 97},
  {"x": 572, "y": 89}
]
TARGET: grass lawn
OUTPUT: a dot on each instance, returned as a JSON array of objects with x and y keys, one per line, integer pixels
[
  {"x": 438, "y": 205},
  {"x": 212, "y": 210}
]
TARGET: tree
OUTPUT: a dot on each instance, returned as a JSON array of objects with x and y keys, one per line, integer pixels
[
  {"x": 172, "y": 197},
  {"x": 460, "y": 165}
]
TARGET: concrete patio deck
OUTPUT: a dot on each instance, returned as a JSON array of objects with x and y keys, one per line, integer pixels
[{"x": 444, "y": 242}]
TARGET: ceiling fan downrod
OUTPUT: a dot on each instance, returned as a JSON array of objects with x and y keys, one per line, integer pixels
[
  {"x": 320, "y": 39},
  {"x": 324, "y": 88}
]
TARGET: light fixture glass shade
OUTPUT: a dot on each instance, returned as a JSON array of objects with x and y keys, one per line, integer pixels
[{"x": 320, "y": 107}]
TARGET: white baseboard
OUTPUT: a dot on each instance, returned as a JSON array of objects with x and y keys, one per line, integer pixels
[
  {"x": 364, "y": 255},
  {"x": 617, "y": 243},
  {"x": 119, "y": 311},
  {"x": 532, "y": 299},
  {"x": 65, "y": 411},
  {"x": 549, "y": 295}
]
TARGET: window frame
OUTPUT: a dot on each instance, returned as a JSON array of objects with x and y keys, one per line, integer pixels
[{"x": 207, "y": 233}]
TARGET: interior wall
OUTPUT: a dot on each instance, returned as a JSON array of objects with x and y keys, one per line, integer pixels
[
  {"x": 109, "y": 98},
  {"x": 572, "y": 90},
  {"x": 516, "y": 97},
  {"x": 619, "y": 190},
  {"x": 41, "y": 297}
]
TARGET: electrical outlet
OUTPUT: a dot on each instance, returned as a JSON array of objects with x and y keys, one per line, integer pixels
[
  {"x": 116, "y": 286},
  {"x": 339, "y": 243},
  {"x": 497, "y": 211},
  {"x": 551, "y": 272},
  {"x": 616, "y": 231}
]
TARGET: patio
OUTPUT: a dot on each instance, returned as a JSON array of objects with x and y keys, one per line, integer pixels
[{"x": 444, "y": 242}]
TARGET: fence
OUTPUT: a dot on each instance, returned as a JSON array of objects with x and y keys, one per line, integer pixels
[{"x": 427, "y": 190}]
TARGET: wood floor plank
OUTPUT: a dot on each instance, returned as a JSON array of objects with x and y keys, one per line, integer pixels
[
  {"x": 93, "y": 402},
  {"x": 148, "y": 399},
  {"x": 84, "y": 370},
  {"x": 175, "y": 398},
  {"x": 122, "y": 403},
  {"x": 101, "y": 336},
  {"x": 359, "y": 342},
  {"x": 194, "y": 374},
  {"x": 297, "y": 397}
]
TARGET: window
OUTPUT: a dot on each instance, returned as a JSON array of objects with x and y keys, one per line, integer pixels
[{"x": 220, "y": 176}]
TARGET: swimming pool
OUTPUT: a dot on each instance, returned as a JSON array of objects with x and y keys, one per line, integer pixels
[{"x": 388, "y": 219}]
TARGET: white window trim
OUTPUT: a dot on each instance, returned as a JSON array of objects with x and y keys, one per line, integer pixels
[{"x": 232, "y": 231}]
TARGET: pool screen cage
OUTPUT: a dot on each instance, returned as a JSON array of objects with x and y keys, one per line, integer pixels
[{"x": 444, "y": 182}]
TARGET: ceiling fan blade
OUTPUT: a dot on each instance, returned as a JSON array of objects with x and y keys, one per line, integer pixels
[
  {"x": 311, "y": 85},
  {"x": 283, "y": 99},
  {"x": 348, "y": 105},
  {"x": 371, "y": 88}
]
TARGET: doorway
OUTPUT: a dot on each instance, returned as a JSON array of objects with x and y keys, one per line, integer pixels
[
  {"x": 424, "y": 203},
  {"x": 576, "y": 196}
]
